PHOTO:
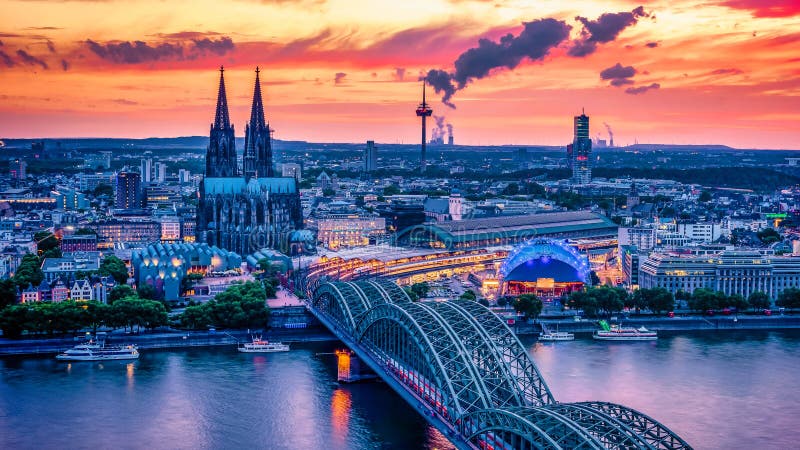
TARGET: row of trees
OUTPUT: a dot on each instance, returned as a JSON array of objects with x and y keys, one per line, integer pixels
[
  {"x": 70, "y": 316},
  {"x": 703, "y": 299},
  {"x": 240, "y": 306}
]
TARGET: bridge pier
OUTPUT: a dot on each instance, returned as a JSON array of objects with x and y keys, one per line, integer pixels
[{"x": 350, "y": 369}]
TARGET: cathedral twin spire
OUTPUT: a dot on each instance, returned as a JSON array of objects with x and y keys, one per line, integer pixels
[{"x": 221, "y": 155}]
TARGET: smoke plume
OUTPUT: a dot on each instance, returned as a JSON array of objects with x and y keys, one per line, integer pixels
[
  {"x": 534, "y": 42},
  {"x": 610, "y": 134}
]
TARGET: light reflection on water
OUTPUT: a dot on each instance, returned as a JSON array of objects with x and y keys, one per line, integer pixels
[{"x": 716, "y": 390}]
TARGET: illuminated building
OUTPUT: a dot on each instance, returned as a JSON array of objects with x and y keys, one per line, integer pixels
[
  {"x": 244, "y": 213},
  {"x": 494, "y": 231},
  {"x": 113, "y": 232},
  {"x": 343, "y": 231},
  {"x": 70, "y": 199},
  {"x": 18, "y": 169},
  {"x": 163, "y": 266},
  {"x": 79, "y": 243},
  {"x": 546, "y": 267},
  {"x": 732, "y": 272},
  {"x": 128, "y": 192},
  {"x": 580, "y": 151}
]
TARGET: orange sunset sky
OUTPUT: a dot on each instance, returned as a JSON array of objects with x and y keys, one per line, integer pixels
[{"x": 690, "y": 71}]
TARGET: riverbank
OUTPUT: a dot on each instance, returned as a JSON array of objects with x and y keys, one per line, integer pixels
[
  {"x": 687, "y": 323},
  {"x": 158, "y": 340}
]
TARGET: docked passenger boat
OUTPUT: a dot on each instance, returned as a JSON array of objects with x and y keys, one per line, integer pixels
[
  {"x": 95, "y": 351},
  {"x": 618, "y": 333},
  {"x": 259, "y": 345},
  {"x": 550, "y": 335}
]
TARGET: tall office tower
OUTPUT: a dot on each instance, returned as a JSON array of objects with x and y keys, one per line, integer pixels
[
  {"x": 370, "y": 157},
  {"x": 257, "y": 144},
  {"x": 18, "y": 169},
  {"x": 128, "y": 191},
  {"x": 424, "y": 111},
  {"x": 221, "y": 153},
  {"x": 160, "y": 173},
  {"x": 146, "y": 171},
  {"x": 579, "y": 152}
]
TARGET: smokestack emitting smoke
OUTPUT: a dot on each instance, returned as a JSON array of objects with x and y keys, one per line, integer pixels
[
  {"x": 610, "y": 134},
  {"x": 534, "y": 42},
  {"x": 438, "y": 131}
]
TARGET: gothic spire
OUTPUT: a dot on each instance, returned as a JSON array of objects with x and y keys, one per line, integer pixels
[
  {"x": 257, "y": 110},
  {"x": 222, "y": 119}
]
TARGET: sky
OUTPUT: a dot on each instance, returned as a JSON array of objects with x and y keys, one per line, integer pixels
[{"x": 511, "y": 72}]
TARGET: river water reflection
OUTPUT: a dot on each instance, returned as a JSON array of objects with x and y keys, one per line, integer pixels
[{"x": 722, "y": 390}]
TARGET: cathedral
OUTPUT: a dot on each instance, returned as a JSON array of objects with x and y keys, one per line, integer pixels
[{"x": 245, "y": 211}]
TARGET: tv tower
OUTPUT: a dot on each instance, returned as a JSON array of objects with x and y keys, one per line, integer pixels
[{"x": 423, "y": 110}]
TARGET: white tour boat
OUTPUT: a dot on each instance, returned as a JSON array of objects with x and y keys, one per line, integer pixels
[
  {"x": 94, "y": 351},
  {"x": 259, "y": 345},
  {"x": 549, "y": 335},
  {"x": 617, "y": 333}
]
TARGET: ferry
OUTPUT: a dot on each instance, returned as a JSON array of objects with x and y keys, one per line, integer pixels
[
  {"x": 94, "y": 351},
  {"x": 617, "y": 333},
  {"x": 549, "y": 335},
  {"x": 259, "y": 345}
]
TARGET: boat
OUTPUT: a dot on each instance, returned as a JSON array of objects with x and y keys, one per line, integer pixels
[
  {"x": 259, "y": 345},
  {"x": 550, "y": 335},
  {"x": 98, "y": 351},
  {"x": 618, "y": 333}
]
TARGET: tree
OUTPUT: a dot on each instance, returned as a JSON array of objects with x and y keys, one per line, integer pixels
[
  {"x": 131, "y": 311},
  {"x": 528, "y": 304},
  {"x": 789, "y": 298},
  {"x": 469, "y": 294},
  {"x": 8, "y": 293},
  {"x": 84, "y": 231},
  {"x": 328, "y": 192},
  {"x": 411, "y": 294},
  {"x": 502, "y": 301},
  {"x": 704, "y": 197},
  {"x": 511, "y": 189},
  {"x": 421, "y": 289},
  {"x": 103, "y": 189},
  {"x": 115, "y": 267},
  {"x": 759, "y": 300},
  {"x": 661, "y": 300},
  {"x": 147, "y": 291},
  {"x": 391, "y": 189},
  {"x": 120, "y": 291},
  {"x": 582, "y": 300},
  {"x": 737, "y": 301},
  {"x": 705, "y": 299},
  {"x": 29, "y": 272},
  {"x": 54, "y": 252},
  {"x": 768, "y": 236},
  {"x": 14, "y": 320},
  {"x": 45, "y": 240}
]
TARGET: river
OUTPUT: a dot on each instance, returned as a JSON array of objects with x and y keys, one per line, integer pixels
[{"x": 717, "y": 390}]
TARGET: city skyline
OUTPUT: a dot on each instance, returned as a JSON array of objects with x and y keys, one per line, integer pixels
[{"x": 686, "y": 72}]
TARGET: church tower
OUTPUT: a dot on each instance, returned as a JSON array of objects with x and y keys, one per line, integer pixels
[
  {"x": 257, "y": 144},
  {"x": 221, "y": 153}
]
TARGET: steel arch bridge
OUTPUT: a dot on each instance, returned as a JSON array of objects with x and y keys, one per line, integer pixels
[{"x": 462, "y": 367}]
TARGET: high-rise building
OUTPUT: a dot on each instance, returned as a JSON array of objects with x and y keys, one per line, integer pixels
[
  {"x": 160, "y": 173},
  {"x": 293, "y": 170},
  {"x": 146, "y": 170},
  {"x": 579, "y": 152},
  {"x": 370, "y": 157},
  {"x": 18, "y": 169},
  {"x": 128, "y": 191},
  {"x": 184, "y": 176}
]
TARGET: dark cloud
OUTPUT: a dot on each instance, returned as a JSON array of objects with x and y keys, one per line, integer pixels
[
  {"x": 217, "y": 47},
  {"x": 186, "y": 35},
  {"x": 5, "y": 59},
  {"x": 31, "y": 60},
  {"x": 604, "y": 29},
  {"x": 65, "y": 65},
  {"x": 1, "y": 43},
  {"x": 651, "y": 44},
  {"x": 51, "y": 46},
  {"x": 642, "y": 89},
  {"x": 534, "y": 42},
  {"x": 136, "y": 52},
  {"x": 339, "y": 78},
  {"x": 124, "y": 101},
  {"x": 731, "y": 71},
  {"x": 618, "y": 74},
  {"x": 399, "y": 73},
  {"x": 44, "y": 28}
]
